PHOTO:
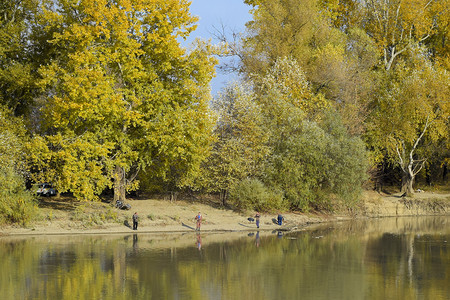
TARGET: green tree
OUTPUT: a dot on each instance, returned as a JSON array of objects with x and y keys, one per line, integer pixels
[
  {"x": 311, "y": 161},
  {"x": 253, "y": 194},
  {"x": 241, "y": 146},
  {"x": 122, "y": 95},
  {"x": 312, "y": 155}
]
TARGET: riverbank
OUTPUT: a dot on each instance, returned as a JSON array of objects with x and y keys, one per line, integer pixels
[{"x": 61, "y": 217}]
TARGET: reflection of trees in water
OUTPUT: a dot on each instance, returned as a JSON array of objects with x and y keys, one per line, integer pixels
[
  {"x": 353, "y": 260},
  {"x": 410, "y": 254},
  {"x": 417, "y": 264},
  {"x": 88, "y": 270}
]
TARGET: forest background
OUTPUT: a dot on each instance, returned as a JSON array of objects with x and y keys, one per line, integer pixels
[{"x": 100, "y": 99}]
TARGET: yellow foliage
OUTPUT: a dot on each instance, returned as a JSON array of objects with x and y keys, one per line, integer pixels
[
  {"x": 396, "y": 25},
  {"x": 122, "y": 95}
]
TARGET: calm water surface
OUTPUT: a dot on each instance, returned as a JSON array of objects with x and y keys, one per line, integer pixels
[{"x": 393, "y": 258}]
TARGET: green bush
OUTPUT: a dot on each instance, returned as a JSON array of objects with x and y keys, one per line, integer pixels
[
  {"x": 252, "y": 194},
  {"x": 17, "y": 205},
  {"x": 316, "y": 161}
]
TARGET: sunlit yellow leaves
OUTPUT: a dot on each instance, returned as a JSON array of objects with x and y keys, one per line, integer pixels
[
  {"x": 123, "y": 95},
  {"x": 395, "y": 25},
  {"x": 12, "y": 138},
  {"x": 414, "y": 103}
]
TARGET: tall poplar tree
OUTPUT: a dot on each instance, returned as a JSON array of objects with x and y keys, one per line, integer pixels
[
  {"x": 336, "y": 62},
  {"x": 122, "y": 95}
]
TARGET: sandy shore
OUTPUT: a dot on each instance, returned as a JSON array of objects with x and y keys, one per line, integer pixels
[
  {"x": 157, "y": 216},
  {"x": 58, "y": 217}
]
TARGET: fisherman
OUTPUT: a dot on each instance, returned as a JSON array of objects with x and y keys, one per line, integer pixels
[
  {"x": 257, "y": 216},
  {"x": 135, "y": 221},
  {"x": 280, "y": 219},
  {"x": 199, "y": 221}
]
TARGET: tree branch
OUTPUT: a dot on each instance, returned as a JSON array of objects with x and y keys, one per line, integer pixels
[
  {"x": 400, "y": 157},
  {"x": 418, "y": 167}
]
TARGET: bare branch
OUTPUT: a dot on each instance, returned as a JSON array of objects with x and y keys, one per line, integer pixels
[
  {"x": 400, "y": 157},
  {"x": 428, "y": 3},
  {"x": 418, "y": 167},
  {"x": 427, "y": 124}
]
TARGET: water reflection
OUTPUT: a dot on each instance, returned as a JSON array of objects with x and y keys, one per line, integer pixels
[
  {"x": 404, "y": 258},
  {"x": 135, "y": 242},
  {"x": 199, "y": 242}
]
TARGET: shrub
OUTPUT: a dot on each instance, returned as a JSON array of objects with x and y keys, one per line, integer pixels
[
  {"x": 17, "y": 205},
  {"x": 253, "y": 194},
  {"x": 94, "y": 216},
  {"x": 316, "y": 161}
]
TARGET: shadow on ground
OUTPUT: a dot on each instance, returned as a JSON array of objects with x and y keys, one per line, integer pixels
[{"x": 57, "y": 203}]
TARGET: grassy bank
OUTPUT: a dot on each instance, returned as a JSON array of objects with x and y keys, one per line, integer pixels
[{"x": 65, "y": 216}]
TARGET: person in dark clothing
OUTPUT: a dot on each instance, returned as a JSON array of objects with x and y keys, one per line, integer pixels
[
  {"x": 257, "y": 239},
  {"x": 257, "y": 216},
  {"x": 135, "y": 221},
  {"x": 280, "y": 219}
]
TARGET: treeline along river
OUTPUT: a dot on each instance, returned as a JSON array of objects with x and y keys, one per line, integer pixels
[{"x": 389, "y": 258}]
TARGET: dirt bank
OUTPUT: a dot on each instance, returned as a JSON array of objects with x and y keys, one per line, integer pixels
[
  {"x": 424, "y": 203},
  {"x": 62, "y": 217}
]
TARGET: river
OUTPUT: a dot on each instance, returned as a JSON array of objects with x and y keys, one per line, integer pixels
[{"x": 389, "y": 258}]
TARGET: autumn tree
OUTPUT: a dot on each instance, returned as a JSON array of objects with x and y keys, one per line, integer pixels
[
  {"x": 438, "y": 44},
  {"x": 288, "y": 78},
  {"x": 336, "y": 62},
  {"x": 411, "y": 117},
  {"x": 122, "y": 95},
  {"x": 398, "y": 31},
  {"x": 292, "y": 28},
  {"x": 17, "y": 69},
  {"x": 397, "y": 25}
]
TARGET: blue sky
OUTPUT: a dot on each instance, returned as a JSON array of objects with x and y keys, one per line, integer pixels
[{"x": 233, "y": 14}]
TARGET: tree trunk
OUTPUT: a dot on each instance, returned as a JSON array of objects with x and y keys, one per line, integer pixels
[
  {"x": 408, "y": 163},
  {"x": 444, "y": 173},
  {"x": 407, "y": 183},
  {"x": 119, "y": 184},
  {"x": 223, "y": 197}
]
